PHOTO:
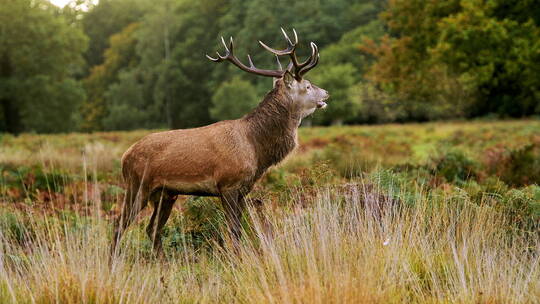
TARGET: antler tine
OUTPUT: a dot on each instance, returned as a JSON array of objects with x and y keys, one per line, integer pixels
[
  {"x": 251, "y": 65},
  {"x": 212, "y": 58},
  {"x": 225, "y": 45},
  {"x": 291, "y": 51},
  {"x": 218, "y": 59},
  {"x": 290, "y": 66},
  {"x": 231, "y": 45},
  {"x": 279, "y": 63},
  {"x": 291, "y": 47},
  {"x": 289, "y": 42},
  {"x": 228, "y": 51},
  {"x": 286, "y": 51},
  {"x": 313, "y": 60},
  {"x": 229, "y": 56}
]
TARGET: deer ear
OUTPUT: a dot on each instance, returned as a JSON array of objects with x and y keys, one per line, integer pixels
[{"x": 288, "y": 79}]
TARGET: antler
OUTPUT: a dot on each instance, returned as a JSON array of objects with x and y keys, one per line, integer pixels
[
  {"x": 314, "y": 60},
  {"x": 229, "y": 56},
  {"x": 296, "y": 68},
  {"x": 299, "y": 68}
]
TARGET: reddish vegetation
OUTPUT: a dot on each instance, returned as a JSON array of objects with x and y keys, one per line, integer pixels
[
  {"x": 316, "y": 143},
  {"x": 507, "y": 151},
  {"x": 517, "y": 166}
]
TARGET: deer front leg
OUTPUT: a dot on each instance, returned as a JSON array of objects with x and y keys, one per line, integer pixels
[
  {"x": 233, "y": 205},
  {"x": 266, "y": 225},
  {"x": 162, "y": 211}
]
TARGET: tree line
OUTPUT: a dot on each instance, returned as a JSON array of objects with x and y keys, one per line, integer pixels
[{"x": 132, "y": 64}]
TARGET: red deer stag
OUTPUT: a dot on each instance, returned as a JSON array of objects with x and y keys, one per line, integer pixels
[{"x": 226, "y": 158}]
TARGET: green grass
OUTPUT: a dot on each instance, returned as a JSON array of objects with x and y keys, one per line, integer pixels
[{"x": 421, "y": 213}]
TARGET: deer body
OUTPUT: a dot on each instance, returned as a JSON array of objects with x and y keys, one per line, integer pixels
[
  {"x": 223, "y": 159},
  {"x": 230, "y": 154}
]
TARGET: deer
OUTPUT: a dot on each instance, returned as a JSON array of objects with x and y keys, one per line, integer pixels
[{"x": 224, "y": 159}]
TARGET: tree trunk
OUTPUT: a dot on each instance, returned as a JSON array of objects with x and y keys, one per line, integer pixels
[
  {"x": 10, "y": 109},
  {"x": 12, "y": 117}
]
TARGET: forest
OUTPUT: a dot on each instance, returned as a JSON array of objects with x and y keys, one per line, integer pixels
[{"x": 137, "y": 64}]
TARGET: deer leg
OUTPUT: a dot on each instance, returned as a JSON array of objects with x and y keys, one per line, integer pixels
[
  {"x": 162, "y": 211},
  {"x": 233, "y": 205},
  {"x": 266, "y": 225},
  {"x": 134, "y": 201}
]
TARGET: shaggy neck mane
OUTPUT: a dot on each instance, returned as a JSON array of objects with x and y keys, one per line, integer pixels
[{"x": 272, "y": 127}]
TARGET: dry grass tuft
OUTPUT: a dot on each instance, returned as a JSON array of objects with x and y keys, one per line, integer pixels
[{"x": 335, "y": 249}]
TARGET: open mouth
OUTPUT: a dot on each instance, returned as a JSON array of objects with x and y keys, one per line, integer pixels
[{"x": 322, "y": 104}]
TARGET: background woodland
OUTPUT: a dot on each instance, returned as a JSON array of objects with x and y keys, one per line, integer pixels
[{"x": 137, "y": 64}]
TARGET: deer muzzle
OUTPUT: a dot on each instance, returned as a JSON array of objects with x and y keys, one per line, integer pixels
[{"x": 322, "y": 103}]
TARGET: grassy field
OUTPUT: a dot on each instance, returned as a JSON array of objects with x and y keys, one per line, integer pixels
[{"x": 421, "y": 213}]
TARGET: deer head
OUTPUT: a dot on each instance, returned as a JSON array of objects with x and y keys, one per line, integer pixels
[{"x": 307, "y": 97}]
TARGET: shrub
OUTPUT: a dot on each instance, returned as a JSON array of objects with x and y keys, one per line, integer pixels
[
  {"x": 454, "y": 166},
  {"x": 29, "y": 180},
  {"x": 346, "y": 157},
  {"x": 198, "y": 226},
  {"x": 523, "y": 206},
  {"x": 15, "y": 228},
  {"x": 516, "y": 167}
]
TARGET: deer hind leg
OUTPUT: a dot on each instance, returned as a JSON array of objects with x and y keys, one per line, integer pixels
[
  {"x": 233, "y": 205},
  {"x": 135, "y": 200},
  {"x": 162, "y": 210}
]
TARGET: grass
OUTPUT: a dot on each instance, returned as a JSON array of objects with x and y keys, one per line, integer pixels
[
  {"x": 323, "y": 253},
  {"x": 388, "y": 214}
]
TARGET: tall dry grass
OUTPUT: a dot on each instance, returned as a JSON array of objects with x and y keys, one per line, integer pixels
[{"x": 340, "y": 247}]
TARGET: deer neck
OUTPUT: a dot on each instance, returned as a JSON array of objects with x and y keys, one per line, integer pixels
[{"x": 272, "y": 128}]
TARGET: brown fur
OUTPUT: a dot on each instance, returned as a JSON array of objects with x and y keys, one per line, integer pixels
[{"x": 223, "y": 159}]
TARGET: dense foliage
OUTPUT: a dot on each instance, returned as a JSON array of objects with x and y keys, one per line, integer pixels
[
  {"x": 39, "y": 53},
  {"x": 460, "y": 58},
  {"x": 129, "y": 64}
]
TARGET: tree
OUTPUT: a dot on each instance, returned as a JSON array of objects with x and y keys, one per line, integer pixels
[
  {"x": 128, "y": 109},
  {"x": 233, "y": 99},
  {"x": 105, "y": 19},
  {"x": 496, "y": 56},
  {"x": 342, "y": 70},
  {"x": 173, "y": 40},
  {"x": 161, "y": 72},
  {"x": 120, "y": 55},
  {"x": 347, "y": 49},
  {"x": 337, "y": 79},
  {"x": 403, "y": 68},
  {"x": 459, "y": 58},
  {"x": 39, "y": 53}
]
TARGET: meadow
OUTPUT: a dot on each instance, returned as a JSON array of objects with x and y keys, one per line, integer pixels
[{"x": 415, "y": 213}]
